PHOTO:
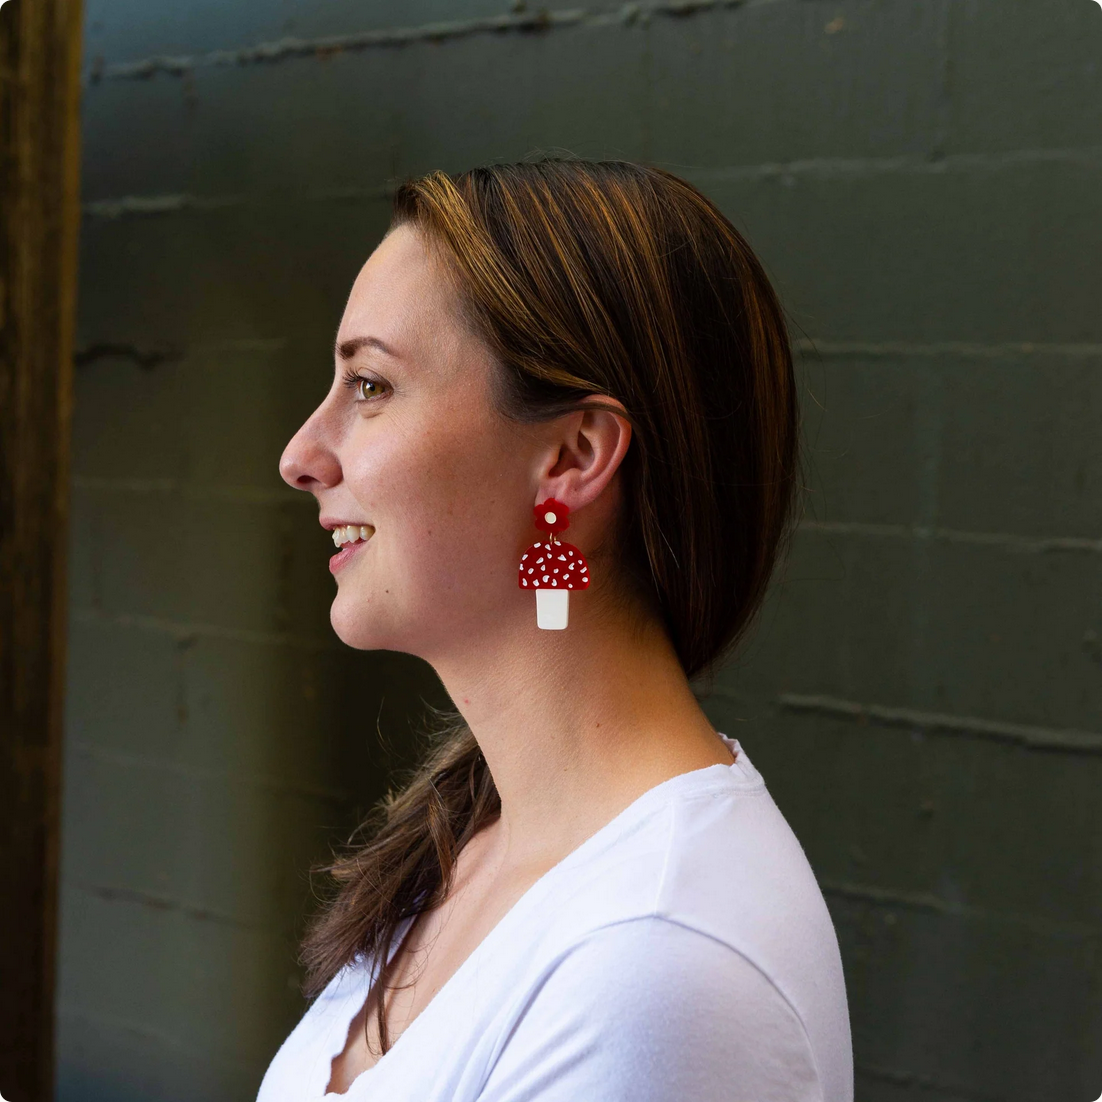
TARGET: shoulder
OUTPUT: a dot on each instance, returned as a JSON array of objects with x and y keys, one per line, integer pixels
[
  {"x": 652, "y": 967},
  {"x": 650, "y": 962},
  {"x": 735, "y": 870},
  {"x": 648, "y": 1009}
]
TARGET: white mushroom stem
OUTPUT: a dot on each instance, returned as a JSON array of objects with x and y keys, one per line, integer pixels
[{"x": 552, "y": 608}]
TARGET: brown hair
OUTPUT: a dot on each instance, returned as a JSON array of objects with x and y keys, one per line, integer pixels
[{"x": 587, "y": 279}]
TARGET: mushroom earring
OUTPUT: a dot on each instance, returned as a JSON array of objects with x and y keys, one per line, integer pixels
[{"x": 553, "y": 568}]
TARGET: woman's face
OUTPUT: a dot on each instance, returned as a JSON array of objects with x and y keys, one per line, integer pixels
[{"x": 407, "y": 444}]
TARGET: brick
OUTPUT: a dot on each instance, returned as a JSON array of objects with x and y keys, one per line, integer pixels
[
  {"x": 1005, "y": 443},
  {"x": 925, "y": 814},
  {"x": 355, "y": 120},
  {"x": 125, "y": 689},
  {"x": 224, "y": 1005},
  {"x": 1008, "y": 635},
  {"x": 211, "y": 416},
  {"x": 1024, "y": 76},
  {"x": 234, "y": 564},
  {"x": 273, "y": 711},
  {"x": 837, "y": 622},
  {"x": 224, "y": 850},
  {"x": 1011, "y": 254},
  {"x": 780, "y": 82},
  {"x": 963, "y": 629},
  {"x": 181, "y": 749},
  {"x": 120, "y": 33},
  {"x": 259, "y": 272},
  {"x": 128, "y": 420},
  {"x": 84, "y": 563},
  {"x": 973, "y": 1007},
  {"x": 865, "y": 438},
  {"x": 101, "y": 1059},
  {"x": 1020, "y": 450}
]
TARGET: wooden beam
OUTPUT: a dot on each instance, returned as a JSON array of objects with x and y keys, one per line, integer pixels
[{"x": 39, "y": 220}]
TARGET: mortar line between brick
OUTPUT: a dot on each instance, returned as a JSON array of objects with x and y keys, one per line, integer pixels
[
  {"x": 154, "y": 355},
  {"x": 931, "y": 903},
  {"x": 157, "y": 902},
  {"x": 926, "y": 163},
  {"x": 814, "y": 168},
  {"x": 203, "y": 773},
  {"x": 143, "y": 1029},
  {"x": 185, "y": 632},
  {"x": 1030, "y": 545},
  {"x": 193, "y": 491},
  {"x": 975, "y": 349},
  {"x": 1068, "y": 740},
  {"x": 946, "y": 1091}
]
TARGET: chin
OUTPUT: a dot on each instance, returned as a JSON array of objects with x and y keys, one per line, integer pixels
[
  {"x": 356, "y": 625},
  {"x": 366, "y": 624}
]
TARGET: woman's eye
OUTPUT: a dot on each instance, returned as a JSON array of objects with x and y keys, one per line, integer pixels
[{"x": 365, "y": 389}]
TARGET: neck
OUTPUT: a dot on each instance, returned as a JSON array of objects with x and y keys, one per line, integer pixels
[{"x": 576, "y": 724}]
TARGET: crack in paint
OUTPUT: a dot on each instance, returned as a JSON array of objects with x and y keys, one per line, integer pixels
[
  {"x": 145, "y": 358},
  {"x": 1033, "y": 738},
  {"x": 286, "y": 49}
]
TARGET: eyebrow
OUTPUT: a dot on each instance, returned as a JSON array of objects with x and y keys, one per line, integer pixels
[{"x": 347, "y": 349}]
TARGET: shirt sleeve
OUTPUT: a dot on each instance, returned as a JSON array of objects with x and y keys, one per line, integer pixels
[{"x": 651, "y": 1011}]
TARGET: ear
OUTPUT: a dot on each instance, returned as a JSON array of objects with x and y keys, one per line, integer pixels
[{"x": 584, "y": 452}]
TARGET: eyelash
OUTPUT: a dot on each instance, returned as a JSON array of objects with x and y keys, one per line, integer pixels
[{"x": 355, "y": 382}]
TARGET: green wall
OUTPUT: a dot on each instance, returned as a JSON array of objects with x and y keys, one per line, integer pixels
[{"x": 923, "y": 179}]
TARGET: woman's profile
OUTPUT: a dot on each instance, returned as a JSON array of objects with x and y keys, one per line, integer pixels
[{"x": 559, "y": 460}]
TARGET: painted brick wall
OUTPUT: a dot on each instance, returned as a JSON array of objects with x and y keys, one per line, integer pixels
[{"x": 923, "y": 179}]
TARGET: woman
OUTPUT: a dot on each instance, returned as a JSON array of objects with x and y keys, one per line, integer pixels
[{"x": 586, "y": 894}]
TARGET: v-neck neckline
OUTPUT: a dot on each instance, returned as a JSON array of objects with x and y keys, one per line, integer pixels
[{"x": 641, "y": 806}]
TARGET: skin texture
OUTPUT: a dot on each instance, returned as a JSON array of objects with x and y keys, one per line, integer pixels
[{"x": 574, "y": 724}]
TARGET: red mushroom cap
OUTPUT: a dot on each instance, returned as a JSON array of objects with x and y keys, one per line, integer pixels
[{"x": 553, "y": 566}]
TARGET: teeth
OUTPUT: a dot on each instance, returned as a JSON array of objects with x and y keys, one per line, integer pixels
[{"x": 351, "y": 533}]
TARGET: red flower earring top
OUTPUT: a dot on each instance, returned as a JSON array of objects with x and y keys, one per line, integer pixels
[{"x": 553, "y": 568}]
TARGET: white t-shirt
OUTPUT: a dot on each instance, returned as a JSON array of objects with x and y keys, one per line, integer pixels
[{"x": 683, "y": 952}]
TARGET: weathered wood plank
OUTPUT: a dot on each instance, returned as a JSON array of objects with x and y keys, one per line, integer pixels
[{"x": 39, "y": 213}]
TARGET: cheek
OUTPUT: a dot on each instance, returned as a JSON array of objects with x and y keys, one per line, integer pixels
[{"x": 441, "y": 485}]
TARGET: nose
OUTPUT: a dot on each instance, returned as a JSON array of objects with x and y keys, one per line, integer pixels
[{"x": 307, "y": 462}]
